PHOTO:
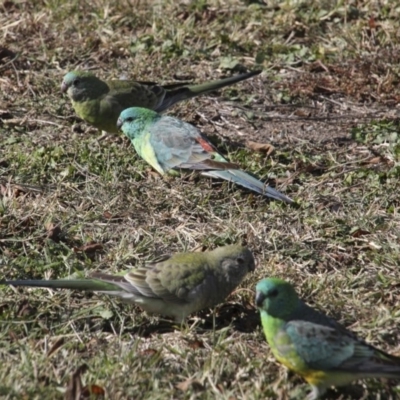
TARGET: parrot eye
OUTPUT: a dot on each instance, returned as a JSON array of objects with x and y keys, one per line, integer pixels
[
  {"x": 240, "y": 260},
  {"x": 273, "y": 293},
  {"x": 129, "y": 119},
  {"x": 76, "y": 81}
]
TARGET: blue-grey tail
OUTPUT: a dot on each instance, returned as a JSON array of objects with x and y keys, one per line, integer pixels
[
  {"x": 244, "y": 179},
  {"x": 386, "y": 372}
]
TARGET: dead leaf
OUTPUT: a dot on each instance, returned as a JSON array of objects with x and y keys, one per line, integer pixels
[
  {"x": 375, "y": 160},
  {"x": 372, "y": 23},
  {"x": 57, "y": 345},
  {"x": 260, "y": 147},
  {"x": 357, "y": 232},
  {"x": 89, "y": 248},
  {"x": 25, "y": 309},
  {"x": 196, "y": 344},
  {"x": 107, "y": 215},
  {"x": 148, "y": 352},
  {"x": 74, "y": 388},
  {"x": 302, "y": 112},
  {"x": 75, "y": 391},
  {"x": 190, "y": 383},
  {"x": 53, "y": 231},
  {"x": 92, "y": 392},
  {"x": 114, "y": 217}
]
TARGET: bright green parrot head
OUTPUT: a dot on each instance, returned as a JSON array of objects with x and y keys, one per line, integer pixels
[
  {"x": 83, "y": 85},
  {"x": 276, "y": 297}
]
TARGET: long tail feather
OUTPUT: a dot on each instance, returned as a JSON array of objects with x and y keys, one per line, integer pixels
[
  {"x": 76, "y": 284},
  {"x": 244, "y": 179},
  {"x": 389, "y": 373},
  {"x": 184, "y": 93}
]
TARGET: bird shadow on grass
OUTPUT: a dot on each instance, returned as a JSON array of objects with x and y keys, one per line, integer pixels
[
  {"x": 352, "y": 391},
  {"x": 241, "y": 318}
]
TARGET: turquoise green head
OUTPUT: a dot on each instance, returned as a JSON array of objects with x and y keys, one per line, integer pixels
[
  {"x": 130, "y": 117},
  {"x": 276, "y": 297}
]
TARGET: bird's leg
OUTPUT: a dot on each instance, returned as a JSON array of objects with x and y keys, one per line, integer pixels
[
  {"x": 104, "y": 134},
  {"x": 315, "y": 393},
  {"x": 182, "y": 325},
  {"x": 196, "y": 322},
  {"x": 213, "y": 314},
  {"x": 98, "y": 139}
]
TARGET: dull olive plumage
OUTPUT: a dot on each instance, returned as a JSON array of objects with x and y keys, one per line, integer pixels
[
  {"x": 174, "y": 286},
  {"x": 100, "y": 103}
]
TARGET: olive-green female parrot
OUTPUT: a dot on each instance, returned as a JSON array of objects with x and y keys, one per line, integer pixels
[
  {"x": 174, "y": 286},
  {"x": 100, "y": 103}
]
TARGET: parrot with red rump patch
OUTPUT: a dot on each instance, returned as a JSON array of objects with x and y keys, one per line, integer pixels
[{"x": 167, "y": 144}]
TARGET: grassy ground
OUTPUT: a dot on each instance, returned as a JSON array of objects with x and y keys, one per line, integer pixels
[{"x": 328, "y": 103}]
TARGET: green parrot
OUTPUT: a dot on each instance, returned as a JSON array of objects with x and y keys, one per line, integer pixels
[
  {"x": 315, "y": 346},
  {"x": 173, "y": 286},
  {"x": 100, "y": 103},
  {"x": 167, "y": 143}
]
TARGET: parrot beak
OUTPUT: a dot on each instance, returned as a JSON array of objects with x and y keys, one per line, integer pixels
[
  {"x": 64, "y": 87},
  {"x": 119, "y": 123},
  {"x": 260, "y": 297}
]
